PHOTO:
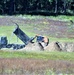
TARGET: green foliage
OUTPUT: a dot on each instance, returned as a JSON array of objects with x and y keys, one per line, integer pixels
[{"x": 26, "y": 6}]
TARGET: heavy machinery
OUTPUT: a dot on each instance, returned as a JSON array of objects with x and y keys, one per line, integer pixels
[{"x": 22, "y": 36}]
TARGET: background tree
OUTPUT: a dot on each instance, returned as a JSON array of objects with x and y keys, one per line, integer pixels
[{"x": 38, "y": 6}]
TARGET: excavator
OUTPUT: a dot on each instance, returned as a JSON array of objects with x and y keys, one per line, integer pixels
[{"x": 21, "y": 35}]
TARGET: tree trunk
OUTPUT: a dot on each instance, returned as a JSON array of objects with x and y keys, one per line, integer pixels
[
  {"x": 65, "y": 6},
  {"x": 11, "y": 8},
  {"x": 56, "y": 6}
]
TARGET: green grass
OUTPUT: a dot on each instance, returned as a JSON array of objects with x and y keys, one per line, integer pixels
[
  {"x": 62, "y": 18},
  {"x": 38, "y": 55},
  {"x": 8, "y": 31},
  {"x": 51, "y": 39}
]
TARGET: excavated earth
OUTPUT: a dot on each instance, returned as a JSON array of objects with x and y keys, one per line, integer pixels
[{"x": 46, "y": 26}]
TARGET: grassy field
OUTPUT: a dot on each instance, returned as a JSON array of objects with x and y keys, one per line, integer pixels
[
  {"x": 38, "y": 55},
  {"x": 36, "y": 63}
]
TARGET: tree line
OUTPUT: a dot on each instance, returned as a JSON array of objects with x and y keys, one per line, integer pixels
[{"x": 45, "y": 7}]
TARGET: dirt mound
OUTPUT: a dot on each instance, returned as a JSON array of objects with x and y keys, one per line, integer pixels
[
  {"x": 68, "y": 46},
  {"x": 33, "y": 47},
  {"x": 36, "y": 47},
  {"x": 53, "y": 46},
  {"x": 58, "y": 46}
]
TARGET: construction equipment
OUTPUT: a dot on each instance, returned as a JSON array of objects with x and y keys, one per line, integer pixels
[{"x": 20, "y": 34}]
